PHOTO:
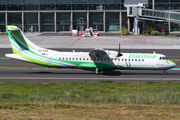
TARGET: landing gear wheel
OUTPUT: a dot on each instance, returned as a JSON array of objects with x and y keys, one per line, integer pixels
[
  {"x": 97, "y": 72},
  {"x": 165, "y": 73}
]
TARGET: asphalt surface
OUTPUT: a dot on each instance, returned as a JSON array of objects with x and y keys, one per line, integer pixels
[
  {"x": 28, "y": 72},
  {"x": 74, "y": 75},
  {"x": 167, "y": 45},
  {"x": 106, "y": 42}
]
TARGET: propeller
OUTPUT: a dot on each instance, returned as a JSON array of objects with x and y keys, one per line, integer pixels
[{"x": 119, "y": 53}]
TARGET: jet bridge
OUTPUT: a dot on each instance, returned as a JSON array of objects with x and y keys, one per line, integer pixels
[
  {"x": 137, "y": 10},
  {"x": 159, "y": 15}
]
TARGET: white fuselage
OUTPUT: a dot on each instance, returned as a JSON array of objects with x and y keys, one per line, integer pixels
[{"x": 129, "y": 61}]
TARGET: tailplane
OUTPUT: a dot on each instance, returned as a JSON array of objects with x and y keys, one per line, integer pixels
[{"x": 18, "y": 41}]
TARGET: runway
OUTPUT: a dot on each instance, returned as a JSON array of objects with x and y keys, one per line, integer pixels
[
  {"x": 74, "y": 75},
  {"x": 27, "y": 72}
]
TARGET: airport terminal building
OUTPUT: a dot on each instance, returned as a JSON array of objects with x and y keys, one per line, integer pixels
[{"x": 65, "y": 15}]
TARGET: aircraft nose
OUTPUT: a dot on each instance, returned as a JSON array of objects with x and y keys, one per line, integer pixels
[{"x": 173, "y": 65}]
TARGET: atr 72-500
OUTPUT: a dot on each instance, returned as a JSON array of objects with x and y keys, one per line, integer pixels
[{"x": 97, "y": 60}]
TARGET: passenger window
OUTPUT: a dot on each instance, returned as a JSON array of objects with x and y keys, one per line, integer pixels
[
  {"x": 79, "y": 58},
  {"x": 125, "y": 59},
  {"x": 63, "y": 58},
  {"x": 135, "y": 59},
  {"x": 66, "y": 58},
  {"x": 76, "y": 58},
  {"x": 98, "y": 59},
  {"x": 129, "y": 59},
  {"x": 87, "y": 59},
  {"x": 122, "y": 59},
  {"x": 101, "y": 59},
  {"x": 119, "y": 59},
  {"x": 73, "y": 59},
  {"x": 83, "y": 58},
  {"x": 132, "y": 59},
  {"x": 69, "y": 58},
  {"x": 59, "y": 58},
  {"x": 143, "y": 60},
  {"x": 139, "y": 59}
]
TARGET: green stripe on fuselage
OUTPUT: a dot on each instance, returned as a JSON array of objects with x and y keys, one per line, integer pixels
[{"x": 170, "y": 61}]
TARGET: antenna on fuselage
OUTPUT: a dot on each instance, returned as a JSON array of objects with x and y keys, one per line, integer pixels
[{"x": 119, "y": 53}]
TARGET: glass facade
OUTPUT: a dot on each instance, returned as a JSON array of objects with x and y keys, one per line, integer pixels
[
  {"x": 31, "y": 7},
  {"x": 175, "y": 27},
  {"x": 15, "y": 19},
  {"x": 47, "y": 22},
  {"x": 63, "y": 6},
  {"x": 124, "y": 19},
  {"x": 84, "y": 13},
  {"x": 2, "y": 22},
  {"x": 76, "y": 21},
  {"x": 167, "y": 4},
  {"x": 162, "y": 25},
  {"x": 19, "y": 5},
  {"x": 30, "y": 22},
  {"x": 96, "y": 21},
  {"x": 96, "y": 7},
  {"x": 112, "y": 22},
  {"x": 63, "y": 22}
]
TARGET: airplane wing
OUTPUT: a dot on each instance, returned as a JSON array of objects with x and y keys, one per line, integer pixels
[{"x": 98, "y": 52}]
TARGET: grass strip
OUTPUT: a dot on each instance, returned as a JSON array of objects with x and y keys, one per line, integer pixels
[
  {"x": 102, "y": 92},
  {"x": 97, "y": 101},
  {"x": 74, "y": 111}
]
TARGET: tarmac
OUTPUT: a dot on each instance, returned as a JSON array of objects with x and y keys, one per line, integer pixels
[{"x": 107, "y": 42}]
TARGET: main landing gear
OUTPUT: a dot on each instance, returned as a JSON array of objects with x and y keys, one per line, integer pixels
[
  {"x": 97, "y": 71},
  {"x": 165, "y": 72}
]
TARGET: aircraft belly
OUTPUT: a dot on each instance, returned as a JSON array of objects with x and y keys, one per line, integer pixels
[
  {"x": 92, "y": 66},
  {"x": 143, "y": 68}
]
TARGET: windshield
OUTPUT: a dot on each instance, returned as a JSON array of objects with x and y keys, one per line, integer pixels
[{"x": 163, "y": 58}]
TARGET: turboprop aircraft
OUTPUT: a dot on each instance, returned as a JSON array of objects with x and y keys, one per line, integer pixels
[{"x": 96, "y": 60}]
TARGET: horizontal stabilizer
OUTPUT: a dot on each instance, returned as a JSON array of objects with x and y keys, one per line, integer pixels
[{"x": 14, "y": 56}]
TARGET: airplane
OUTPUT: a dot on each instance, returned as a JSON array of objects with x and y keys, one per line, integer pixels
[{"x": 97, "y": 60}]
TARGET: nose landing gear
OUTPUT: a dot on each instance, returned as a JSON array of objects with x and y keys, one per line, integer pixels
[{"x": 165, "y": 72}]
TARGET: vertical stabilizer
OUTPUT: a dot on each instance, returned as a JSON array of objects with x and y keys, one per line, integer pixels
[{"x": 18, "y": 41}]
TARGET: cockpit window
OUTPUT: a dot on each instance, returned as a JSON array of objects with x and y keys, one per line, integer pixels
[{"x": 163, "y": 58}]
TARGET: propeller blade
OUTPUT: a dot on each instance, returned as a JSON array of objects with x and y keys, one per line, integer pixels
[{"x": 119, "y": 53}]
